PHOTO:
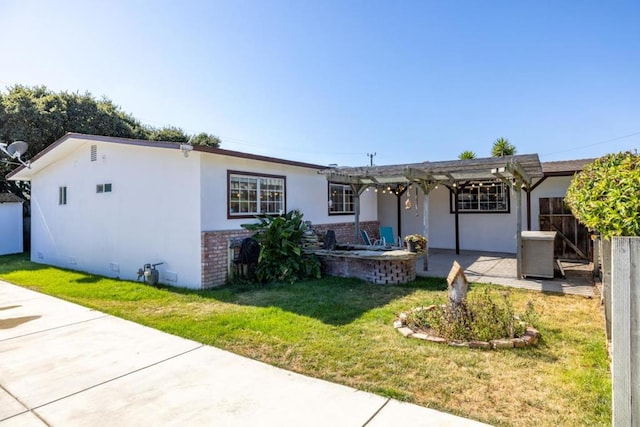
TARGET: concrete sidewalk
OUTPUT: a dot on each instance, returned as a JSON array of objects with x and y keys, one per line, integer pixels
[{"x": 65, "y": 365}]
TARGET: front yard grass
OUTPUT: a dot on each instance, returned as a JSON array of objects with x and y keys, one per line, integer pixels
[{"x": 341, "y": 330}]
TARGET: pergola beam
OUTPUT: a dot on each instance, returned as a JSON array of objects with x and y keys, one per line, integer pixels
[{"x": 517, "y": 170}]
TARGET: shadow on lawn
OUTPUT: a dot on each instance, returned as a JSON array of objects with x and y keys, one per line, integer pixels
[
  {"x": 332, "y": 300},
  {"x": 18, "y": 262}
]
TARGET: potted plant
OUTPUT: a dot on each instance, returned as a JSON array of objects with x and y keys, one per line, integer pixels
[{"x": 416, "y": 243}]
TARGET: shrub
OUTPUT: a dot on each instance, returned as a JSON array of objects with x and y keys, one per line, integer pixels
[
  {"x": 605, "y": 196},
  {"x": 482, "y": 317},
  {"x": 281, "y": 255}
]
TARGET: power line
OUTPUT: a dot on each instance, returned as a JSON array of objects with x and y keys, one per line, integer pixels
[{"x": 594, "y": 144}]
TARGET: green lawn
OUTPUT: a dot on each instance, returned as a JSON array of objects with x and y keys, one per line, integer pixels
[{"x": 341, "y": 330}]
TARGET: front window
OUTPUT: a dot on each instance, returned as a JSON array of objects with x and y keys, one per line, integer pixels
[
  {"x": 251, "y": 194},
  {"x": 482, "y": 197},
  {"x": 340, "y": 199}
]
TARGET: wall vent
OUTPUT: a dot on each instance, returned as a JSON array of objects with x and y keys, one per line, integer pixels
[{"x": 94, "y": 153}]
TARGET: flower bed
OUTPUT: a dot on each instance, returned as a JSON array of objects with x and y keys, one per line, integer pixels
[{"x": 530, "y": 337}]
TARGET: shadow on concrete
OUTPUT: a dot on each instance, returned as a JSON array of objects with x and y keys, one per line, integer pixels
[{"x": 16, "y": 321}]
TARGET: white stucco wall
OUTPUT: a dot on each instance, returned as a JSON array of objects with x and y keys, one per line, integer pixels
[
  {"x": 151, "y": 215},
  {"x": 412, "y": 220},
  {"x": 481, "y": 232},
  {"x": 11, "y": 228},
  {"x": 306, "y": 190}
]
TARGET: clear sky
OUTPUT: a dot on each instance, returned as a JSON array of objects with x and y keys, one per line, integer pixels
[{"x": 325, "y": 81}]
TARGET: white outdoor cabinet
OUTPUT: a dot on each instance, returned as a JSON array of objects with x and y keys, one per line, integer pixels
[{"x": 537, "y": 253}]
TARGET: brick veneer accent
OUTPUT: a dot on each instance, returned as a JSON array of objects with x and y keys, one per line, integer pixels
[
  {"x": 375, "y": 269},
  {"x": 215, "y": 247},
  {"x": 345, "y": 231},
  {"x": 215, "y": 255}
]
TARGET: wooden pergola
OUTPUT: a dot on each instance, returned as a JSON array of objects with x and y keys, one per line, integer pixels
[{"x": 518, "y": 171}]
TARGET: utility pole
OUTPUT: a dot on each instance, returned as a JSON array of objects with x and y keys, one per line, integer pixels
[{"x": 371, "y": 156}]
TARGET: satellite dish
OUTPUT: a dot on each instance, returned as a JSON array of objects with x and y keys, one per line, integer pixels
[{"x": 17, "y": 149}]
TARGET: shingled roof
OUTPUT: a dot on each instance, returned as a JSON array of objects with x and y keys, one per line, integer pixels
[{"x": 564, "y": 167}]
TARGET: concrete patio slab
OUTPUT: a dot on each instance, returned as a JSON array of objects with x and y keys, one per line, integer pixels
[{"x": 500, "y": 269}]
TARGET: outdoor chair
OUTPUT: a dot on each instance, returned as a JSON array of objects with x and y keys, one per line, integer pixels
[
  {"x": 388, "y": 237},
  {"x": 330, "y": 240},
  {"x": 367, "y": 241},
  {"x": 247, "y": 256}
]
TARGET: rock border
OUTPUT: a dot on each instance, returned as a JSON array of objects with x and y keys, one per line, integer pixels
[{"x": 530, "y": 338}]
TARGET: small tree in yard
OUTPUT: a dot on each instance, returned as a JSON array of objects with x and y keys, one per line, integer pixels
[
  {"x": 281, "y": 255},
  {"x": 605, "y": 196},
  {"x": 467, "y": 155}
]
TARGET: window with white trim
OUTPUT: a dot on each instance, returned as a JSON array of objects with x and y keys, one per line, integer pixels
[
  {"x": 482, "y": 197},
  {"x": 340, "y": 199},
  {"x": 62, "y": 195},
  {"x": 252, "y": 194}
]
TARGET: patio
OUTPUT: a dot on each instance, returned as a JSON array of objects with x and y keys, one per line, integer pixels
[{"x": 500, "y": 269}]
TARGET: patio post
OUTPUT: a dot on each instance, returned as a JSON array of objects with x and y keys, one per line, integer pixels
[
  {"x": 425, "y": 229},
  {"x": 356, "y": 209},
  {"x": 518, "y": 189}
]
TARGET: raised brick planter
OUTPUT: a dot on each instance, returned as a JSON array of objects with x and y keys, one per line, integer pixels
[
  {"x": 390, "y": 267},
  {"x": 216, "y": 256}
]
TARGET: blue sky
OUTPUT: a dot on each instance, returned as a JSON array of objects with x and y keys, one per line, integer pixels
[{"x": 331, "y": 81}]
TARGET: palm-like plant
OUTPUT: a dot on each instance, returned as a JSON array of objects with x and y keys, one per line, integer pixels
[
  {"x": 466, "y": 155},
  {"x": 502, "y": 147}
]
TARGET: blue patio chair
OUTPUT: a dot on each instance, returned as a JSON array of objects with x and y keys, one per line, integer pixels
[
  {"x": 388, "y": 238},
  {"x": 367, "y": 241}
]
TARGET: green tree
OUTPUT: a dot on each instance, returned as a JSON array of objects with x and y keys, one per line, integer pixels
[
  {"x": 205, "y": 139},
  {"x": 502, "y": 147},
  {"x": 605, "y": 196},
  {"x": 40, "y": 116},
  {"x": 168, "y": 134},
  {"x": 467, "y": 155}
]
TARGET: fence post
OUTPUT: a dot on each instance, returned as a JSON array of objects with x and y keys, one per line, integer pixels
[
  {"x": 625, "y": 307},
  {"x": 606, "y": 283}
]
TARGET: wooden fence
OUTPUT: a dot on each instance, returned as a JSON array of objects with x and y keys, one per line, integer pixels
[{"x": 625, "y": 330}]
